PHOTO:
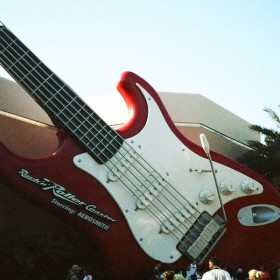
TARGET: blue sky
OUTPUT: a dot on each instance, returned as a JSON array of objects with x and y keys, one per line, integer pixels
[{"x": 227, "y": 51}]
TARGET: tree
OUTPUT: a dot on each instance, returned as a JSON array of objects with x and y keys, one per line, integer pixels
[{"x": 264, "y": 156}]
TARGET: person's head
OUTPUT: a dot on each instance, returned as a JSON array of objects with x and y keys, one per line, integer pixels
[
  {"x": 213, "y": 262},
  {"x": 255, "y": 274},
  {"x": 168, "y": 275},
  {"x": 239, "y": 271},
  {"x": 87, "y": 271},
  {"x": 76, "y": 269},
  {"x": 262, "y": 268}
]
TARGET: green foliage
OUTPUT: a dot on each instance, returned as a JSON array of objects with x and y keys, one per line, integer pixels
[{"x": 264, "y": 157}]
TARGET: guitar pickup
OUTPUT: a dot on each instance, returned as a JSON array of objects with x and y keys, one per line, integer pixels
[
  {"x": 179, "y": 218},
  {"x": 153, "y": 189},
  {"x": 121, "y": 163}
]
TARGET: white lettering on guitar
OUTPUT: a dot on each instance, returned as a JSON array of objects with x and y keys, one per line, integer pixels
[{"x": 61, "y": 192}]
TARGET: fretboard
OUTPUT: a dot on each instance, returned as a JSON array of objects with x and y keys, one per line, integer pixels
[{"x": 61, "y": 103}]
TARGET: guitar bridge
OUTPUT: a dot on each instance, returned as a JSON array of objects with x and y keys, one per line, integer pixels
[{"x": 202, "y": 237}]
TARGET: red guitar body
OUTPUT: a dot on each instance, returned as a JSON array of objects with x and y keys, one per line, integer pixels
[{"x": 91, "y": 195}]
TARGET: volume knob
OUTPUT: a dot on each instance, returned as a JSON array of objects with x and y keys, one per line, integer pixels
[
  {"x": 206, "y": 196},
  {"x": 226, "y": 187},
  {"x": 248, "y": 186}
]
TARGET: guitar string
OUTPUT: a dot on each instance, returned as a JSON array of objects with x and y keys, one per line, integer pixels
[{"x": 105, "y": 139}]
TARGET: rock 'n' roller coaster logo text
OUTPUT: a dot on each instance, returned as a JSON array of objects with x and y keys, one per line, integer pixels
[{"x": 61, "y": 193}]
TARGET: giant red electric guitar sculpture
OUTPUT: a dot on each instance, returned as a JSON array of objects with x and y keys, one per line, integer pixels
[{"x": 137, "y": 191}]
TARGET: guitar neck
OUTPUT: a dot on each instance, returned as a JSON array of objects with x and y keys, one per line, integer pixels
[{"x": 62, "y": 104}]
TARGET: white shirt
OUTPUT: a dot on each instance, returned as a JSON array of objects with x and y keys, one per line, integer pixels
[
  {"x": 88, "y": 277},
  {"x": 216, "y": 274}
]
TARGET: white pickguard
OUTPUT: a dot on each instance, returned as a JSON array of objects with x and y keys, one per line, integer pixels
[{"x": 157, "y": 144}]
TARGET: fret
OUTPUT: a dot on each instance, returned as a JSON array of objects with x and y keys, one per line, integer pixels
[
  {"x": 104, "y": 138},
  {"x": 77, "y": 109},
  {"x": 29, "y": 71},
  {"x": 17, "y": 60},
  {"x": 42, "y": 84},
  {"x": 46, "y": 85},
  {"x": 99, "y": 131},
  {"x": 57, "y": 98},
  {"x": 69, "y": 111},
  {"x": 7, "y": 47},
  {"x": 85, "y": 125}
]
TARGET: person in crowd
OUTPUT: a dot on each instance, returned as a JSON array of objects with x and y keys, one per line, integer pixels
[
  {"x": 265, "y": 273},
  {"x": 255, "y": 274},
  {"x": 74, "y": 272},
  {"x": 169, "y": 275},
  {"x": 87, "y": 274},
  {"x": 239, "y": 274},
  {"x": 277, "y": 276},
  {"x": 192, "y": 270},
  {"x": 157, "y": 272},
  {"x": 69, "y": 275},
  {"x": 278, "y": 272},
  {"x": 179, "y": 276},
  {"x": 215, "y": 272}
]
